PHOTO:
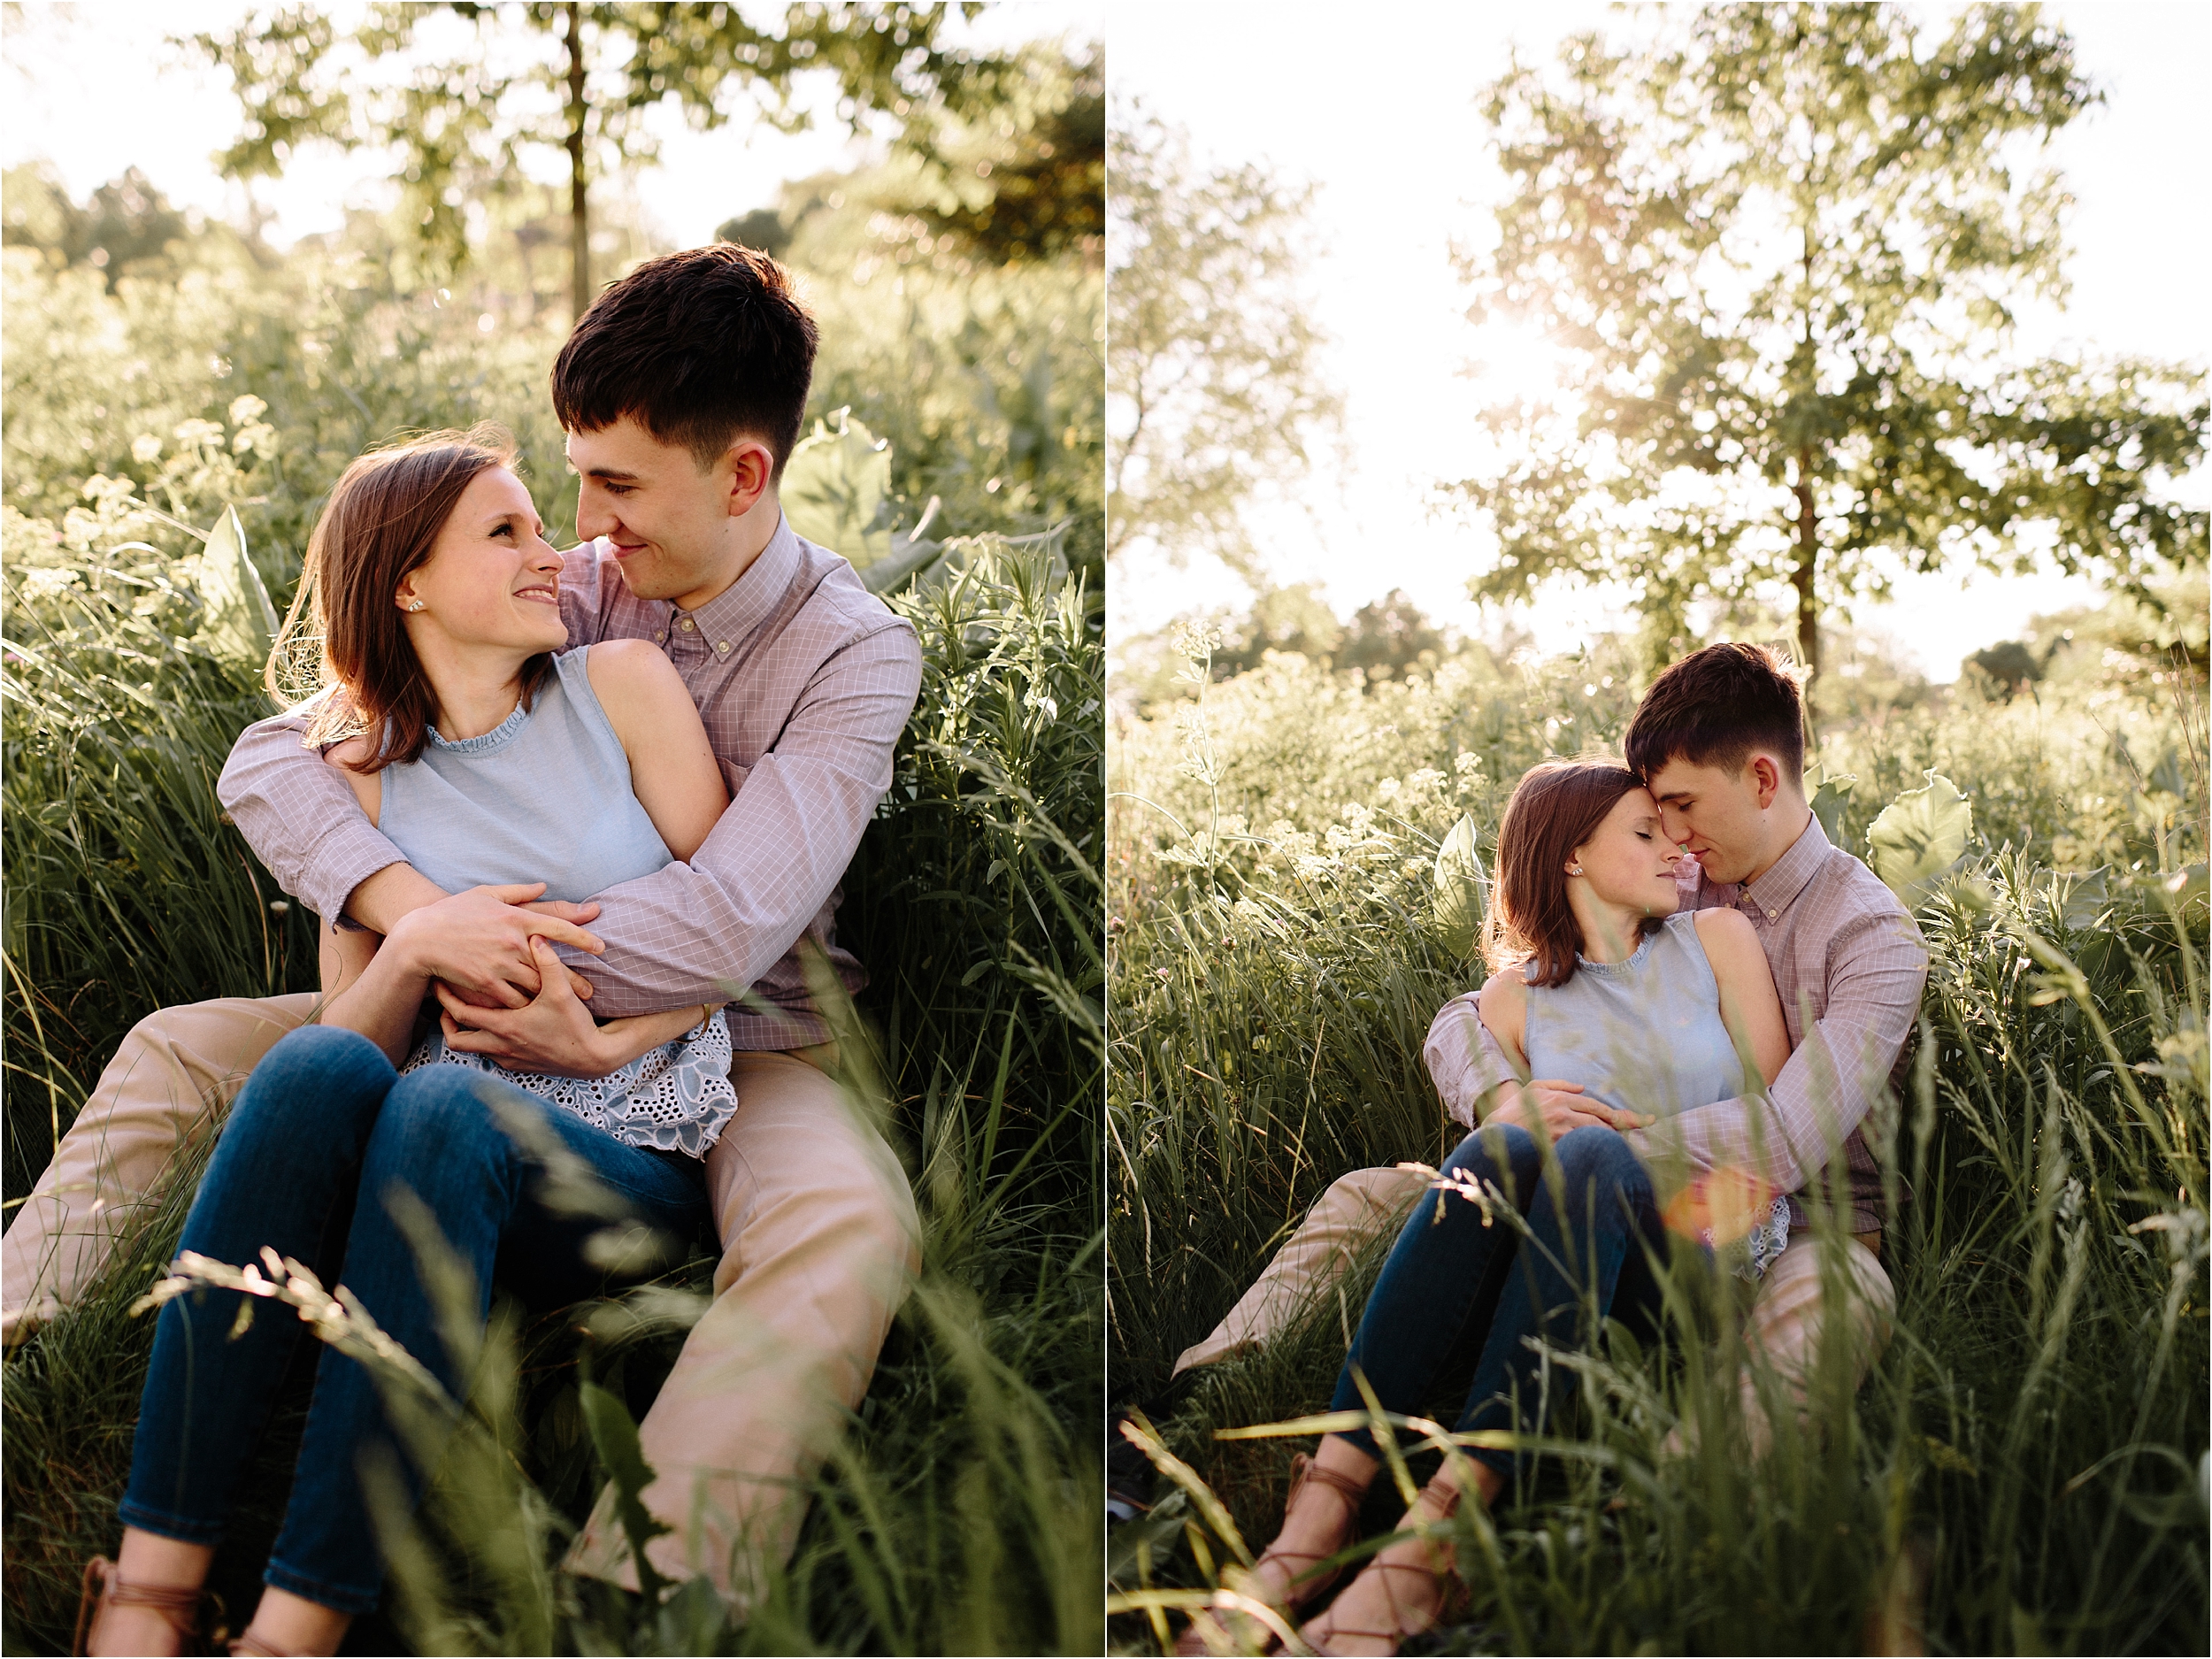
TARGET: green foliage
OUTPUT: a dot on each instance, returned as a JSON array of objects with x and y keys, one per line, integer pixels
[
  {"x": 984, "y": 379},
  {"x": 1798, "y": 380},
  {"x": 1463, "y": 891},
  {"x": 1919, "y": 837},
  {"x": 1212, "y": 359},
  {"x": 2022, "y": 1472},
  {"x": 584, "y": 76}
]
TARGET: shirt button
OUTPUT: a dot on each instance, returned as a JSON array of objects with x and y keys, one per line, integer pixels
[
  {"x": 659, "y": 638},
  {"x": 684, "y": 625},
  {"x": 723, "y": 646},
  {"x": 1772, "y": 914}
]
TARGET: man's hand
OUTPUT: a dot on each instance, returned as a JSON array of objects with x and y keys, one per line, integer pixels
[
  {"x": 1562, "y": 1106},
  {"x": 482, "y": 942},
  {"x": 554, "y": 1034}
]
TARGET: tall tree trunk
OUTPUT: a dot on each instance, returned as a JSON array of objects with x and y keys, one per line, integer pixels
[
  {"x": 1807, "y": 562},
  {"x": 578, "y": 220}
]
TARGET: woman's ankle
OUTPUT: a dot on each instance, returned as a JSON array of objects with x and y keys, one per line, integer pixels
[
  {"x": 151, "y": 1562},
  {"x": 293, "y": 1625}
]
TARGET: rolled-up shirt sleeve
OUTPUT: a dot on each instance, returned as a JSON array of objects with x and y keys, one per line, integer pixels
[
  {"x": 1876, "y": 970},
  {"x": 301, "y": 819},
  {"x": 706, "y": 930},
  {"x": 1466, "y": 1062}
]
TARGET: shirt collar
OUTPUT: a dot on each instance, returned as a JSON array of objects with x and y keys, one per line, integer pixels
[
  {"x": 1783, "y": 880},
  {"x": 749, "y": 600}
]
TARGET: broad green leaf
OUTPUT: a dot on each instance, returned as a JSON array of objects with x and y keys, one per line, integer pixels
[
  {"x": 837, "y": 489},
  {"x": 1462, "y": 890},
  {"x": 239, "y": 623},
  {"x": 614, "y": 1437},
  {"x": 2084, "y": 899},
  {"x": 1919, "y": 837},
  {"x": 1830, "y": 791}
]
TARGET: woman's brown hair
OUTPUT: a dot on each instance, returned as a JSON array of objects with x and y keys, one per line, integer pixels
[
  {"x": 378, "y": 525},
  {"x": 1557, "y": 805}
]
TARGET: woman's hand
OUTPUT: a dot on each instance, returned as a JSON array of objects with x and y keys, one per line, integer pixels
[
  {"x": 1561, "y": 1107},
  {"x": 483, "y": 942},
  {"x": 553, "y": 1034}
]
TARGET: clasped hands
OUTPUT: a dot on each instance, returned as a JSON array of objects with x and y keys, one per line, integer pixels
[
  {"x": 1561, "y": 1106},
  {"x": 503, "y": 990}
]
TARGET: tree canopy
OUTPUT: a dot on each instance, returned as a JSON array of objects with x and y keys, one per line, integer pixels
[
  {"x": 1213, "y": 374},
  {"x": 577, "y": 79},
  {"x": 1781, "y": 251}
]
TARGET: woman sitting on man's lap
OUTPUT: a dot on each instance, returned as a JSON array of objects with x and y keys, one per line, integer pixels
[
  {"x": 486, "y": 757},
  {"x": 1612, "y": 1001}
]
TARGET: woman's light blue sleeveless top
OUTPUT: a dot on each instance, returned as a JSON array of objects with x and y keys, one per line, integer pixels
[
  {"x": 544, "y": 797},
  {"x": 1643, "y": 1035}
]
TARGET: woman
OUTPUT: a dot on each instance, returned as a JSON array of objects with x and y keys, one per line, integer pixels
[
  {"x": 1598, "y": 982},
  {"x": 485, "y": 757}
]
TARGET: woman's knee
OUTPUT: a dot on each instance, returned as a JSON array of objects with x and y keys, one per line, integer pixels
[
  {"x": 1599, "y": 1159},
  {"x": 319, "y": 1081},
  {"x": 444, "y": 1124},
  {"x": 1504, "y": 1154}
]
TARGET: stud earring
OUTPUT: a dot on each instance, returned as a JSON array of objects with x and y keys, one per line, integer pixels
[
  {"x": 1574, "y": 870},
  {"x": 416, "y": 606}
]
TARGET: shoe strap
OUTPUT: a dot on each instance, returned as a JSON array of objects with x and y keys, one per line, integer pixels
[
  {"x": 1303, "y": 1469},
  {"x": 103, "y": 1588}
]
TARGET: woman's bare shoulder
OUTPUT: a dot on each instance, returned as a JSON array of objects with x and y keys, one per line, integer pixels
[
  {"x": 1724, "y": 928},
  {"x": 630, "y": 665},
  {"x": 1504, "y": 991}
]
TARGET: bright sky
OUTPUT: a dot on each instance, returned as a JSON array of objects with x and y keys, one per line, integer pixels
[
  {"x": 1389, "y": 133},
  {"x": 94, "y": 88}
]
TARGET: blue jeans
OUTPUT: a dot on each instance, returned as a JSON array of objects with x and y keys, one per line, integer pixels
[
  {"x": 325, "y": 1114},
  {"x": 1456, "y": 1280}
]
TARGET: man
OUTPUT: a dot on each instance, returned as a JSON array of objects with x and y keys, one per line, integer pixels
[
  {"x": 1719, "y": 741},
  {"x": 681, "y": 391}
]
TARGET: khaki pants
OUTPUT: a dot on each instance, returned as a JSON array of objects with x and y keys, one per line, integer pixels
[
  {"x": 819, "y": 1243},
  {"x": 1785, "y": 1330}
]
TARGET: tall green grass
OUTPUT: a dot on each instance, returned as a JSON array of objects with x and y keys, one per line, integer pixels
[
  {"x": 960, "y": 1513},
  {"x": 2026, "y": 1471}
]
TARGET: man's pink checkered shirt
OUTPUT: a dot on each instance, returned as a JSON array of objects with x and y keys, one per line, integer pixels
[
  {"x": 804, "y": 679},
  {"x": 1849, "y": 965}
]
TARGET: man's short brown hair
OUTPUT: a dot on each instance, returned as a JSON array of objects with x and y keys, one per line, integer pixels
[
  {"x": 1714, "y": 708},
  {"x": 700, "y": 346}
]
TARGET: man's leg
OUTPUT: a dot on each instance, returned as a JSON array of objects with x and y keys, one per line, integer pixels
[
  {"x": 819, "y": 1242},
  {"x": 1789, "y": 1320},
  {"x": 1791, "y": 1314},
  {"x": 1358, "y": 1208},
  {"x": 173, "y": 1076}
]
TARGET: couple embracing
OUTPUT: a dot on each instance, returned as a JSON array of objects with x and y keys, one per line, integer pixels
[
  {"x": 575, "y": 824},
  {"x": 1607, "y": 1058}
]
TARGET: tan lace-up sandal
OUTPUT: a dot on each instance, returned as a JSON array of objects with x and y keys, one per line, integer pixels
[
  {"x": 1442, "y": 1595},
  {"x": 1300, "y": 1590},
  {"x": 103, "y": 1589}
]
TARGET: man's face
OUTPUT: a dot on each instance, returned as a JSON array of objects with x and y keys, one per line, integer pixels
[
  {"x": 1720, "y": 817},
  {"x": 671, "y": 520}
]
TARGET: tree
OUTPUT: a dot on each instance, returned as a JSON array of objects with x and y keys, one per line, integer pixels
[
  {"x": 1780, "y": 250},
  {"x": 127, "y": 223},
  {"x": 588, "y": 75},
  {"x": 1213, "y": 380},
  {"x": 1388, "y": 637}
]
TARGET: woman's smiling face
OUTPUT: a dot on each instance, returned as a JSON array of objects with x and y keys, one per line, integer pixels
[
  {"x": 491, "y": 578},
  {"x": 1629, "y": 861}
]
